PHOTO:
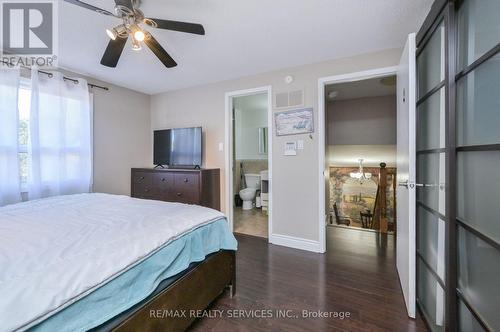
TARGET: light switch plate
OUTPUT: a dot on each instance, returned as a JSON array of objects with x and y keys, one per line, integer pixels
[
  {"x": 290, "y": 148},
  {"x": 221, "y": 146},
  {"x": 300, "y": 144}
]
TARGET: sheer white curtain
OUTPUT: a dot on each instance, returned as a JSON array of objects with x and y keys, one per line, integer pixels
[
  {"x": 60, "y": 148},
  {"x": 10, "y": 187}
]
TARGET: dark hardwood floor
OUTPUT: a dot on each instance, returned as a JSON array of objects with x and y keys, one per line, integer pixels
[{"x": 357, "y": 275}]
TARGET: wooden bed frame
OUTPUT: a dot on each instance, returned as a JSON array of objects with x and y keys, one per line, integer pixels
[{"x": 193, "y": 291}]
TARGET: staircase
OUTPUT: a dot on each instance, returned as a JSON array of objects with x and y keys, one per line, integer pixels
[{"x": 381, "y": 222}]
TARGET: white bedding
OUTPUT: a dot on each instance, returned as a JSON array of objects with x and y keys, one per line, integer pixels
[{"x": 54, "y": 251}]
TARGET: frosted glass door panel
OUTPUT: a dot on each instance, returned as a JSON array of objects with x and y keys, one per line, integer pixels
[
  {"x": 431, "y": 240},
  {"x": 478, "y": 191},
  {"x": 431, "y": 131},
  {"x": 478, "y": 276},
  {"x": 431, "y": 297},
  {"x": 430, "y": 63},
  {"x": 478, "y": 105},
  {"x": 478, "y": 29},
  {"x": 431, "y": 181},
  {"x": 466, "y": 321}
]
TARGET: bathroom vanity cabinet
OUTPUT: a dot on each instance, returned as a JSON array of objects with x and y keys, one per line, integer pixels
[{"x": 264, "y": 190}]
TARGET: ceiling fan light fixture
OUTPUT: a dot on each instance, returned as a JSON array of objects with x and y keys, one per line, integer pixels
[
  {"x": 129, "y": 13},
  {"x": 136, "y": 45},
  {"x": 123, "y": 11},
  {"x": 138, "y": 34},
  {"x": 118, "y": 31},
  {"x": 112, "y": 33},
  {"x": 150, "y": 22}
]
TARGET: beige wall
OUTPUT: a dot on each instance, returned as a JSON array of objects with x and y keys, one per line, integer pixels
[
  {"x": 362, "y": 121},
  {"x": 295, "y": 179},
  {"x": 122, "y": 137}
]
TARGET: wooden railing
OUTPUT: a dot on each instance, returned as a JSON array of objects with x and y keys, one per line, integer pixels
[{"x": 380, "y": 220}]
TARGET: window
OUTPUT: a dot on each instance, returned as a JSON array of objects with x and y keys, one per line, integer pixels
[
  {"x": 24, "y": 104},
  {"x": 62, "y": 146}
]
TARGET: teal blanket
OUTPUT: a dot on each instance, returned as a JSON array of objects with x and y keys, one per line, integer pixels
[{"x": 137, "y": 283}]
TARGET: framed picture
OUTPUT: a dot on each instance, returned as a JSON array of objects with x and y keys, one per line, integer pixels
[{"x": 294, "y": 122}]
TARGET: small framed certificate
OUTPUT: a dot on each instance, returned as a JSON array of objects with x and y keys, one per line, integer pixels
[{"x": 294, "y": 122}]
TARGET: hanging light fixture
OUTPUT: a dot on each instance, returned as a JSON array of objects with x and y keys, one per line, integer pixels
[{"x": 360, "y": 175}]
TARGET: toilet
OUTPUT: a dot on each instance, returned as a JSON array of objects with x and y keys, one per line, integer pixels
[{"x": 248, "y": 194}]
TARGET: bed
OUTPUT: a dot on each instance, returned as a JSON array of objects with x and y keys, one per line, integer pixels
[{"x": 107, "y": 262}]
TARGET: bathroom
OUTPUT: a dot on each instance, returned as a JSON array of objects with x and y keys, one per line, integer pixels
[{"x": 250, "y": 160}]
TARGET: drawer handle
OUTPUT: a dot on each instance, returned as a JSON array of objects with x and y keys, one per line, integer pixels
[
  {"x": 185, "y": 180},
  {"x": 163, "y": 179},
  {"x": 179, "y": 194}
]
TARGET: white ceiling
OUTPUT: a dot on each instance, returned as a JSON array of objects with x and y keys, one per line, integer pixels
[
  {"x": 361, "y": 89},
  {"x": 243, "y": 37}
]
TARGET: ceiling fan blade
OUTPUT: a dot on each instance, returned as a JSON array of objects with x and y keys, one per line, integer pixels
[
  {"x": 87, "y": 6},
  {"x": 113, "y": 52},
  {"x": 125, "y": 3},
  {"x": 159, "y": 51},
  {"x": 176, "y": 26}
]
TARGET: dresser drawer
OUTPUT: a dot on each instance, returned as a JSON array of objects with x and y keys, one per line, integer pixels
[
  {"x": 186, "y": 188},
  {"x": 144, "y": 178},
  {"x": 142, "y": 190},
  {"x": 163, "y": 184},
  {"x": 186, "y": 180},
  {"x": 186, "y": 197}
]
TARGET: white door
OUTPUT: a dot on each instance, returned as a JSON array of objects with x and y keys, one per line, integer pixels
[{"x": 406, "y": 162}]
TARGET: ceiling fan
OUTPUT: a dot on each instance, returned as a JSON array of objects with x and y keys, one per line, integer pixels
[{"x": 128, "y": 11}]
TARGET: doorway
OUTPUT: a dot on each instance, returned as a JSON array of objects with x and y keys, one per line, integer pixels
[
  {"x": 323, "y": 202},
  {"x": 360, "y": 156},
  {"x": 405, "y": 221},
  {"x": 405, "y": 242},
  {"x": 248, "y": 157}
]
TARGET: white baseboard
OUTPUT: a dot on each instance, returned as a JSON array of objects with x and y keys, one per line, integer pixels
[{"x": 294, "y": 242}]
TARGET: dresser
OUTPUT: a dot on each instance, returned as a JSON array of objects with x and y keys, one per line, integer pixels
[{"x": 201, "y": 187}]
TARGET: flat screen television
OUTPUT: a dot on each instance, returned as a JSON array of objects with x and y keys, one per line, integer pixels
[{"x": 178, "y": 147}]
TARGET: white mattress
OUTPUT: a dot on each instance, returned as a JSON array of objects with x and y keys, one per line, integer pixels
[{"x": 55, "y": 251}]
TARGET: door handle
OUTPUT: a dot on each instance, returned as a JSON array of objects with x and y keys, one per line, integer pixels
[
  {"x": 403, "y": 184},
  {"x": 406, "y": 184},
  {"x": 428, "y": 185}
]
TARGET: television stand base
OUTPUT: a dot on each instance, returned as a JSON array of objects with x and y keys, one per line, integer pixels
[{"x": 159, "y": 166}]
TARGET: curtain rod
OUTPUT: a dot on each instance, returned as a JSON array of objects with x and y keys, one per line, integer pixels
[{"x": 50, "y": 75}]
